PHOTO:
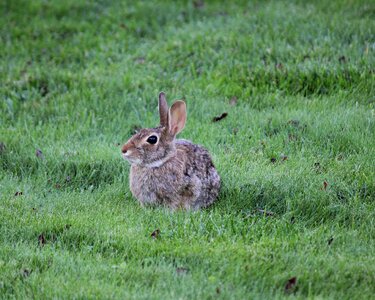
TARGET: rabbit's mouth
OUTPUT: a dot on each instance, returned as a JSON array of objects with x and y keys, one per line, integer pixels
[{"x": 131, "y": 160}]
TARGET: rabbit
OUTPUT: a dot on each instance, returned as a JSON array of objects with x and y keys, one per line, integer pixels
[{"x": 169, "y": 172}]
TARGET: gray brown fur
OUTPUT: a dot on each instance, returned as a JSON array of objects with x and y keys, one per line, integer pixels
[{"x": 172, "y": 173}]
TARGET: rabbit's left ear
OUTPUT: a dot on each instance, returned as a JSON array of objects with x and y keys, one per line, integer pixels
[
  {"x": 177, "y": 117},
  {"x": 163, "y": 110}
]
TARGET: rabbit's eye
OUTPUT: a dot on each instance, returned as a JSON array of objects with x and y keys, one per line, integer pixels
[{"x": 152, "y": 140}]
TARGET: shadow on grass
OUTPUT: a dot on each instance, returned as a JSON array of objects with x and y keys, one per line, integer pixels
[
  {"x": 271, "y": 199},
  {"x": 64, "y": 175}
]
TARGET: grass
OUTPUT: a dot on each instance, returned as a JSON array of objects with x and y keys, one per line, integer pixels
[{"x": 295, "y": 153}]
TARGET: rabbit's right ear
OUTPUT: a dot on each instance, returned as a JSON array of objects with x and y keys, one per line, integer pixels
[
  {"x": 163, "y": 110},
  {"x": 177, "y": 117}
]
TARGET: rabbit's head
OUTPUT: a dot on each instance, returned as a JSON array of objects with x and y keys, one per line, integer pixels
[{"x": 151, "y": 147}]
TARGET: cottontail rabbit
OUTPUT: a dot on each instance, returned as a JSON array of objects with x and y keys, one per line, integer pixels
[{"x": 170, "y": 172}]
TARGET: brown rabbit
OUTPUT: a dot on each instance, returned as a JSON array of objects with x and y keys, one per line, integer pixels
[{"x": 170, "y": 172}]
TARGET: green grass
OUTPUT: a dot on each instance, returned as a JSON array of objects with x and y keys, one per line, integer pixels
[{"x": 78, "y": 77}]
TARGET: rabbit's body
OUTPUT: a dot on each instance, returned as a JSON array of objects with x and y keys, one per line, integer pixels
[
  {"x": 187, "y": 179},
  {"x": 169, "y": 172}
]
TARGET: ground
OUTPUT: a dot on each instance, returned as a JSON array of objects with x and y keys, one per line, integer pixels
[{"x": 296, "y": 213}]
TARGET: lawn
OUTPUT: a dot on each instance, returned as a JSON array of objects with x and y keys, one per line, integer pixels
[{"x": 296, "y": 214}]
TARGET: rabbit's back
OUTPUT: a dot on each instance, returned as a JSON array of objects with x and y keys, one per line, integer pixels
[{"x": 198, "y": 164}]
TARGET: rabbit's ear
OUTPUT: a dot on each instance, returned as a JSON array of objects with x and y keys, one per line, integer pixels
[
  {"x": 163, "y": 110},
  {"x": 177, "y": 117}
]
